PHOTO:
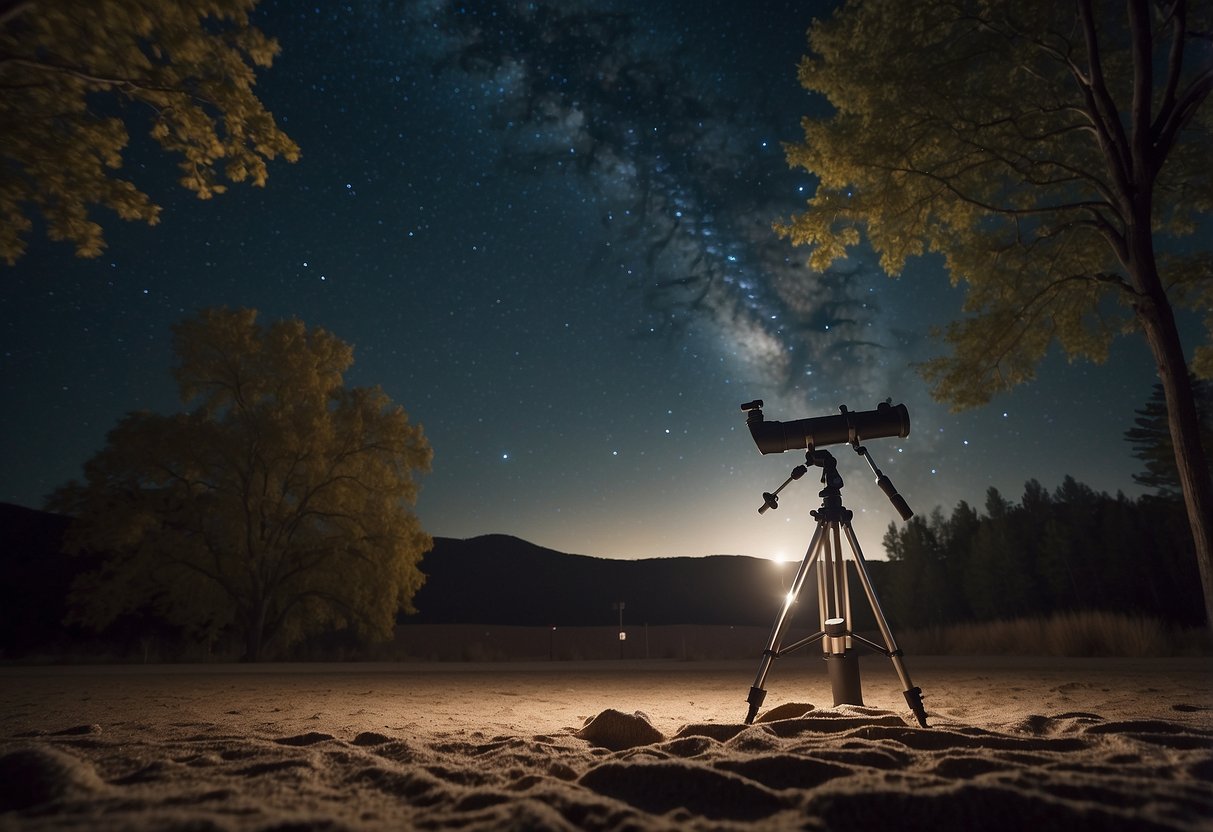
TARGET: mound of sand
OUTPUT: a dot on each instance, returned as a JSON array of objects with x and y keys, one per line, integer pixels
[
  {"x": 1089, "y": 745},
  {"x": 37, "y": 775}
]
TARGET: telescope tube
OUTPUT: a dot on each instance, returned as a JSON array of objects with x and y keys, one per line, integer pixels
[{"x": 848, "y": 426}]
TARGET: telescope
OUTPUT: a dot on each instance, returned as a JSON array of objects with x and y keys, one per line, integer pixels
[
  {"x": 849, "y": 426},
  {"x": 825, "y": 553}
]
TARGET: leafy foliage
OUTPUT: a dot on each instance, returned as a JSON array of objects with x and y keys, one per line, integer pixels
[
  {"x": 1025, "y": 142},
  {"x": 276, "y": 507},
  {"x": 1048, "y": 152},
  {"x": 73, "y": 75}
]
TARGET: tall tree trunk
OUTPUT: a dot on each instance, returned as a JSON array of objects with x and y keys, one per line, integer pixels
[
  {"x": 254, "y": 634},
  {"x": 1146, "y": 157},
  {"x": 1158, "y": 320}
]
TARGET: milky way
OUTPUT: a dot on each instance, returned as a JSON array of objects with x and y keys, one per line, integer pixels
[{"x": 546, "y": 228}]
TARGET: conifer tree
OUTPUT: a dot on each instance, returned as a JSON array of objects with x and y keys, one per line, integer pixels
[{"x": 1151, "y": 438}]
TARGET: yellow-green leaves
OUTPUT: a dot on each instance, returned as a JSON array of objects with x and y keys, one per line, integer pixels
[
  {"x": 998, "y": 133},
  {"x": 280, "y": 504},
  {"x": 182, "y": 67}
]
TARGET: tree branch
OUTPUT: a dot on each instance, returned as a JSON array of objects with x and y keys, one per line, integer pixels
[
  {"x": 1036, "y": 305},
  {"x": 13, "y": 12},
  {"x": 1102, "y": 109}
]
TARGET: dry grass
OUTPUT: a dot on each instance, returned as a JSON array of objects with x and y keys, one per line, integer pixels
[
  {"x": 1090, "y": 634},
  {"x": 1063, "y": 634}
]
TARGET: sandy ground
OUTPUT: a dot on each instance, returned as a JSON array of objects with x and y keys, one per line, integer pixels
[{"x": 1073, "y": 744}]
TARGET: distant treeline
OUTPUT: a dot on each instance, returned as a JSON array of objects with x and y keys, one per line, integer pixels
[{"x": 1071, "y": 550}]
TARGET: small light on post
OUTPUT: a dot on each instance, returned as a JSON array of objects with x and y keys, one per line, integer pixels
[{"x": 623, "y": 636}]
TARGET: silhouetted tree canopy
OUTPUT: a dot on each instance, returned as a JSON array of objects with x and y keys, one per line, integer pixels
[
  {"x": 1151, "y": 438},
  {"x": 278, "y": 506},
  {"x": 1054, "y": 154},
  {"x": 1073, "y": 550},
  {"x": 75, "y": 74}
]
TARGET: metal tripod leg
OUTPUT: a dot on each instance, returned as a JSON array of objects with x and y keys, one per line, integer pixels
[
  {"x": 913, "y": 694},
  {"x": 832, "y": 590},
  {"x": 829, "y": 554},
  {"x": 757, "y": 692}
]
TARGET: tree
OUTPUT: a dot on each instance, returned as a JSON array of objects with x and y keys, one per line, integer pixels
[
  {"x": 278, "y": 506},
  {"x": 1049, "y": 152},
  {"x": 73, "y": 73},
  {"x": 1151, "y": 438},
  {"x": 921, "y": 593},
  {"x": 998, "y": 579}
]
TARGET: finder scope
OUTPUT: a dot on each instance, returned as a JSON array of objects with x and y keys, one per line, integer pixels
[{"x": 848, "y": 426}]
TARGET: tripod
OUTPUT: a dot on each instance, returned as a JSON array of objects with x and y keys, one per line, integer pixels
[{"x": 833, "y": 592}]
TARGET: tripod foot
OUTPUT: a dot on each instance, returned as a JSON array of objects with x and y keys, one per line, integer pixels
[
  {"x": 914, "y": 700},
  {"x": 755, "y": 699}
]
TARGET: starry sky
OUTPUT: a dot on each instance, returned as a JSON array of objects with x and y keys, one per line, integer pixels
[{"x": 545, "y": 228}]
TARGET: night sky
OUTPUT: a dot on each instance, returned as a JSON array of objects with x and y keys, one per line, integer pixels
[{"x": 545, "y": 227}]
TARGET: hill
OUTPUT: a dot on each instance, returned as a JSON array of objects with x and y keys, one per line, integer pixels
[
  {"x": 493, "y": 579},
  {"x": 497, "y": 579},
  {"x": 35, "y": 576}
]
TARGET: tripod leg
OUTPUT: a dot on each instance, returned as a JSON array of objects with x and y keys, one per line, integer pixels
[
  {"x": 757, "y": 692},
  {"x": 913, "y": 694}
]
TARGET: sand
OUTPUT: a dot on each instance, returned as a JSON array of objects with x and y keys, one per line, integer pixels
[{"x": 1038, "y": 744}]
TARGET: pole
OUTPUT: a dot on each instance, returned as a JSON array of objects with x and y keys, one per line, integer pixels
[{"x": 619, "y": 605}]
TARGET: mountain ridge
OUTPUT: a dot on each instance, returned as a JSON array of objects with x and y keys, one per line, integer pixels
[
  {"x": 523, "y": 583},
  {"x": 491, "y": 579}
]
